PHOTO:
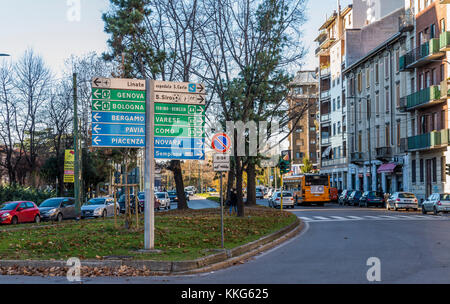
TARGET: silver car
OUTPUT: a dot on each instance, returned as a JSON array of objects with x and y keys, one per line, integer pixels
[
  {"x": 288, "y": 200},
  {"x": 437, "y": 203},
  {"x": 402, "y": 200},
  {"x": 99, "y": 207},
  {"x": 164, "y": 200}
]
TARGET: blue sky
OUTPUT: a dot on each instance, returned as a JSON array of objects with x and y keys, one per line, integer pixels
[{"x": 44, "y": 26}]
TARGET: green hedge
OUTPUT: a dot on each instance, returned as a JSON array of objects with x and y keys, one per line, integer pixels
[{"x": 20, "y": 193}]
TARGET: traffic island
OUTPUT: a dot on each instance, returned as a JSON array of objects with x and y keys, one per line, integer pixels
[{"x": 188, "y": 242}]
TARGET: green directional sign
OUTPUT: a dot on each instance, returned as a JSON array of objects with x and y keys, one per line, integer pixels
[
  {"x": 118, "y": 106},
  {"x": 179, "y": 131},
  {"x": 179, "y": 120},
  {"x": 118, "y": 95},
  {"x": 167, "y": 108}
]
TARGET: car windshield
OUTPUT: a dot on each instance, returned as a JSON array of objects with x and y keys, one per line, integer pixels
[
  {"x": 406, "y": 195},
  {"x": 96, "y": 201},
  {"x": 285, "y": 194},
  {"x": 172, "y": 193},
  {"x": 374, "y": 194},
  {"x": 8, "y": 206},
  {"x": 161, "y": 195},
  {"x": 445, "y": 197},
  {"x": 51, "y": 202}
]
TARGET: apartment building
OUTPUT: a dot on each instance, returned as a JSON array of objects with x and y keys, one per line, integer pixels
[
  {"x": 377, "y": 128},
  {"x": 333, "y": 57},
  {"x": 303, "y": 97},
  {"x": 426, "y": 100}
]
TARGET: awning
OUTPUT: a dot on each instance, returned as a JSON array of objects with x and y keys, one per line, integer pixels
[{"x": 387, "y": 168}]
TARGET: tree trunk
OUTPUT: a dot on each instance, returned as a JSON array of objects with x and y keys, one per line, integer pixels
[
  {"x": 230, "y": 183},
  {"x": 240, "y": 202},
  {"x": 251, "y": 183},
  {"x": 175, "y": 167}
]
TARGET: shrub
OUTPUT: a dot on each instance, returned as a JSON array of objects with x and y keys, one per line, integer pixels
[{"x": 21, "y": 193}]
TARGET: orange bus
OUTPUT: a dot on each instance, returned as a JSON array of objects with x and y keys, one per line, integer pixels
[{"x": 309, "y": 188}]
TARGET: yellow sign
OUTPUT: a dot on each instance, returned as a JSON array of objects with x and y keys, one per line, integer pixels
[{"x": 69, "y": 173}]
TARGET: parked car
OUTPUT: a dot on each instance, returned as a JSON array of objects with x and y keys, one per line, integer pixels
[
  {"x": 190, "y": 189},
  {"x": 436, "y": 203},
  {"x": 58, "y": 209},
  {"x": 19, "y": 212},
  {"x": 99, "y": 207},
  {"x": 141, "y": 199},
  {"x": 400, "y": 200},
  {"x": 259, "y": 194},
  {"x": 343, "y": 198},
  {"x": 288, "y": 200},
  {"x": 121, "y": 202},
  {"x": 172, "y": 196},
  {"x": 163, "y": 199},
  {"x": 354, "y": 197},
  {"x": 212, "y": 189},
  {"x": 334, "y": 197},
  {"x": 372, "y": 198}
]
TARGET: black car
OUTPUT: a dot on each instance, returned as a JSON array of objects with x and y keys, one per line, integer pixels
[
  {"x": 354, "y": 197},
  {"x": 173, "y": 196},
  {"x": 343, "y": 198},
  {"x": 58, "y": 208},
  {"x": 133, "y": 200},
  {"x": 375, "y": 198}
]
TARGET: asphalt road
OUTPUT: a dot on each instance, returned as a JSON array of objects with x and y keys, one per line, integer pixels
[{"x": 334, "y": 247}]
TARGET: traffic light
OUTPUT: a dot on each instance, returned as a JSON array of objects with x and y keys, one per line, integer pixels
[
  {"x": 447, "y": 169},
  {"x": 285, "y": 165}
]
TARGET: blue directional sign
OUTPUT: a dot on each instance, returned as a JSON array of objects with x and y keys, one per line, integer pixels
[
  {"x": 123, "y": 118},
  {"x": 117, "y": 129},
  {"x": 173, "y": 153},
  {"x": 118, "y": 141},
  {"x": 179, "y": 142}
]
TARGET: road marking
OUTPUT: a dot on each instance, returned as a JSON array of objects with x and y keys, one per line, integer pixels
[
  {"x": 333, "y": 218},
  {"x": 339, "y": 218},
  {"x": 371, "y": 216},
  {"x": 355, "y": 217},
  {"x": 305, "y": 218},
  {"x": 321, "y": 218}
]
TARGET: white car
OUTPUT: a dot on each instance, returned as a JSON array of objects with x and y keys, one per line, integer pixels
[
  {"x": 402, "y": 200},
  {"x": 288, "y": 200},
  {"x": 164, "y": 199},
  {"x": 99, "y": 207},
  {"x": 437, "y": 203}
]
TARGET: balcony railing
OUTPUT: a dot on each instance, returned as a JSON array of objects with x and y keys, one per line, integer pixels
[
  {"x": 444, "y": 41},
  {"x": 444, "y": 89},
  {"x": 421, "y": 55},
  {"x": 327, "y": 42},
  {"x": 324, "y": 117},
  {"x": 383, "y": 152},
  {"x": 333, "y": 162},
  {"x": 325, "y": 72},
  {"x": 406, "y": 21},
  {"x": 435, "y": 139},
  {"x": 424, "y": 97},
  {"x": 325, "y": 94},
  {"x": 357, "y": 157}
]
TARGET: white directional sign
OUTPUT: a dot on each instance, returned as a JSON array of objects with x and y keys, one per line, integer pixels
[
  {"x": 179, "y": 87},
  {"x": 221, "y": 162},
  {"x": 118, "y": 83},
  {"x": 180, "y": 98}
]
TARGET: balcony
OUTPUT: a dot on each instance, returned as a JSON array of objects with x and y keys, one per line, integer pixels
[
  {"x": 325, "y": 94},
  {"x": 383, "y": 153},
  {"x": 325, "y": 72},
  {"x": 333, "y": 162},
  {"x": 424, "y": 98},
  {"x": 444, "y": 41},
  {"x": 325, "y": 141},
  {"x": 357, "y": 157},
  {"x": 444, "y": 89},
  {"x": 327, "y": 43},
  {"x": 435, "y": 139},
  {"x": 444, "y": 1},
  {"x": 403, "y": 104},
  {"x": 406, "y": 21},
  {"x": 422, "y": 55},
  {"x": 325, "y": 118}
]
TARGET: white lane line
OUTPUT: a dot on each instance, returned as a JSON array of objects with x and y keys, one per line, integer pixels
[
  {"x": 340, "y": 218},
  {"x": 389, "y": 217},
  {"x": 371, "y": 217},
  {"x": 355, "y": 217},
  {"x": 305, "y": 218}
]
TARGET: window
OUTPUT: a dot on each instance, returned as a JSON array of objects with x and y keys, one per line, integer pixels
[
  {"x": 443, "y": 173},
  {"x": 360, "y": 111},
  {"x": 334, "y": 104},
  {"x": 297, "y": 155},
  {"x": 442, "y": 124},
  {"x": 334, "y": 129},
  {"x": 359, "y": 141},
  {"x": 378, "y": 137},
  {"x": 413, "y": 85},
  {"x": 339, "y": 127},
  {"x": 397, "y": 94},
  {"x": 386, "y": 100},
  {"x": 398, "y": 133},
  {"x": 442, "y": 25},
  {"x": 413, "y": 127},
  {"x": 421, "y": 170},
  {"x": 413, "y": 171},
  {"x": 432, "y": 31},
  {"x": 338, "y": 102},
  {"x": 427, "y": 79},
  {"x": 421, "y": 83},
  {"x": 377, "y": 103},
  {"x": 359, "y": 82},
  {"x": 433, "y": 161},
  {"x": 441, "y": 73},
  {"x": 368, "y": 109},
  {"x": 367, "y": 77},
  {"x": 434, "y": 121},
  {"x": 376, "y": 73},
  {"x": 433, "y": 77},
  {"x": 397, "y": 61},
  {"x": 386, "y": 67},
  {"x": 386, "y": 135}
]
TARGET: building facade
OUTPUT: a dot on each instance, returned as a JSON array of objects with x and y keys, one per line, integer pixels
[{"x": 303, "y": 97}]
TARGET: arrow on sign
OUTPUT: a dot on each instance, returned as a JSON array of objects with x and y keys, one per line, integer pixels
[
  {"x": 97, "y": 105},
  {"x": 96, "y": 140},
  {"x": 96, "y": 116},
  {"x": 200, "y": 98},
  {"x": 96, "y": 128},
  {"x": 96, "y": 93},
  {"x": 200, "y": 87},
  {"x": 97, "y": 81}
]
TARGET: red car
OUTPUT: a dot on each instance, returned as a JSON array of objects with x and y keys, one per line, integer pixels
[{"x": 19, "y": 212}]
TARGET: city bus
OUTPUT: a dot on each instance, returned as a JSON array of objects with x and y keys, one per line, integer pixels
[{"x": 309, "y": 188}]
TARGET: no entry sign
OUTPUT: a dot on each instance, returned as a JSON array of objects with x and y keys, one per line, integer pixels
[{"x": 221, "y": 143}]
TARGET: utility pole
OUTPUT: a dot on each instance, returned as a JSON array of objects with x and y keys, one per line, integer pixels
[{"x": 76, "y": 148}]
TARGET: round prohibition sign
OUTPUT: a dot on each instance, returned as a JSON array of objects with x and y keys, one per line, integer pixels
[{"x": 221, "y": 142}]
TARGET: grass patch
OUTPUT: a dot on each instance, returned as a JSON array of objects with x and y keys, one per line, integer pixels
[
  {"x": 181, "y": 235},
  {"x": 208, "y": 196}
]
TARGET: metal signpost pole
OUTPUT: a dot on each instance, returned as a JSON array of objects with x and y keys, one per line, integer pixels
[
  {"x": 221, "y": 208},
  {"x": 149, "y": 221},
  {"x": 76, "y": 187}
]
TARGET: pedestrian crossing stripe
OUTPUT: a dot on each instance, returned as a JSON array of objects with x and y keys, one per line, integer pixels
[{"x": 333, "y": 218}]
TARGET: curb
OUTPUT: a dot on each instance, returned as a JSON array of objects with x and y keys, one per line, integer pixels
[{"x": 216, "y": 261}]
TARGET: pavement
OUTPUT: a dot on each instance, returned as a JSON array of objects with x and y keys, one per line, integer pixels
[{"x": 334, "y": 247}]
